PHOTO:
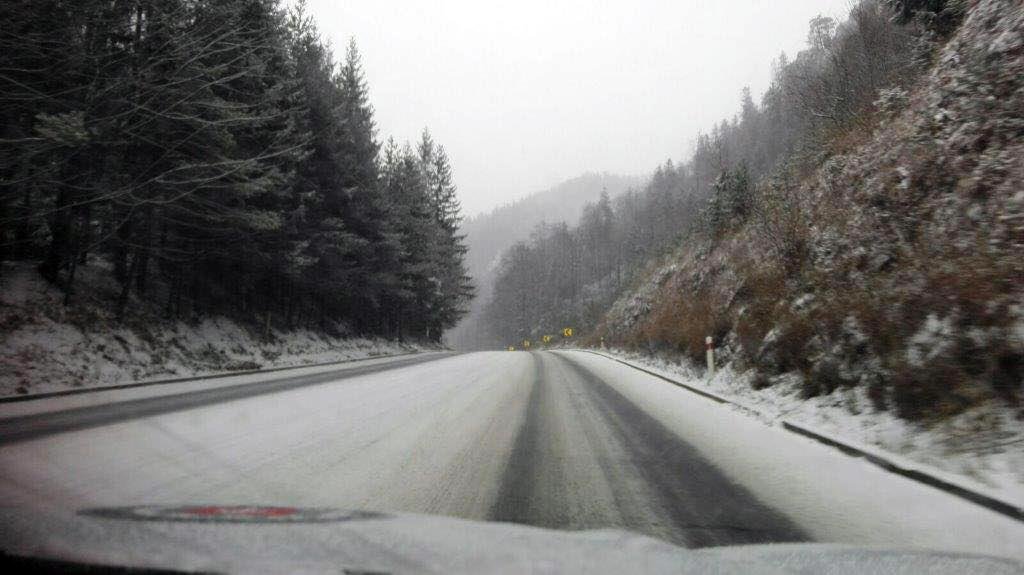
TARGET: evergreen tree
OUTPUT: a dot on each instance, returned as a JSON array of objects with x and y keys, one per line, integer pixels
[
  {"x": 942, "y": 16},
  {"x": 455, "y": 289},
  {"x": 215, "y": 149}
]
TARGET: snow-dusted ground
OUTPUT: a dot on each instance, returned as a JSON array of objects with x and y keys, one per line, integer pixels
[
  {"x": 982, "y": 448},
  {"x": 45, "y": 346},
  {"x": 440, "y": 438}
]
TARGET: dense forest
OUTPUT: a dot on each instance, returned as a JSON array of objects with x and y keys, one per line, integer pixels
[
  {"x": 217, "y": 159},
  {"x": 489, "y": 234}
]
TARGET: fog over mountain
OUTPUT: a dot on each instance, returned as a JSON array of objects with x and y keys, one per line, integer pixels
[
  {"x": 528, "y": 94},
  {"x": 488, "y": 235}
]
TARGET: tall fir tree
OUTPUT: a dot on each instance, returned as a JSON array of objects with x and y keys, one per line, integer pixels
[{"x": 216, "y": 154}]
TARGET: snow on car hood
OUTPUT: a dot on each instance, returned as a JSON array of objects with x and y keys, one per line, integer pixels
[{"x": 258, "y": 539}]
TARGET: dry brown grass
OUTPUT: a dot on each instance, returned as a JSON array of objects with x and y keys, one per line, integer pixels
[
  {"x": 681, "y": 321},
  {"x": 795, "y": 332},
  {"x": 849, "y": 137},
  {"x": 936, "y": 390},
  {"x": 763, "y": 287}
]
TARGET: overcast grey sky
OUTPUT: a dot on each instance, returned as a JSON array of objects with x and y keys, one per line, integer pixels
[{"x": 528, "y": 93}]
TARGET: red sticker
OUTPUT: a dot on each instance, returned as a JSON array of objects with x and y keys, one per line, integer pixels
[
  {"x": 238, "y": 512},
  {"x": 230, "y": 514}
]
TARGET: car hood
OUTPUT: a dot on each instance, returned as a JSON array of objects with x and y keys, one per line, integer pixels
[{"x": 254, "y": 539}]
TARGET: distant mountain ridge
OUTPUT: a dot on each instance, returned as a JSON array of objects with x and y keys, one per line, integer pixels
[{"x": 490, "y": 234}]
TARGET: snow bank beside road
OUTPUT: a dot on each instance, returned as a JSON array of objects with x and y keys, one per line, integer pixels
[
  {"x": 835, "y": 498},
  {"x": 45, "y": 346},
  {"x": 982, "y": 448}
]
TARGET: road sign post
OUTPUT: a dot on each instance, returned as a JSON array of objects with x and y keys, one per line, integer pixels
[{"x": 711, "y": 356}]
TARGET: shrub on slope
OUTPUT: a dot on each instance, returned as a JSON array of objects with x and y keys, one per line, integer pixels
[{"x": 892, "y": 260}]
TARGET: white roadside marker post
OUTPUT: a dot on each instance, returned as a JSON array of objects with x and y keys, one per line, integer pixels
[{"x": 711, "y": 357}]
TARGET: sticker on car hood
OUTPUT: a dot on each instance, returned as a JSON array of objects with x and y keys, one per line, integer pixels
[{"x": 231, "y": 514}]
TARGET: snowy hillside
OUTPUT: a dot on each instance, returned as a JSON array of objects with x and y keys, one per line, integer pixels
[
  {"x": 896, "y": 265},
  {"x": 881, "y": 297},
  {"x": 979, "y": 448},
  {"x": 853, "y": 243},
  {"x": 45, "y": 346}
]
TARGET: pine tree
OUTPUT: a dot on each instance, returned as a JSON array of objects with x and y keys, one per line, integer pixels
[
  {"x": 942, "y": 16},
  {"x": 325, "y": 247},
  {"x": 214, "y": 149},
  {"x": 455, "y": 286},
  {"x": 359, "y": 147}
]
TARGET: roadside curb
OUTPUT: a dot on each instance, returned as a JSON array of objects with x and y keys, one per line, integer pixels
[
  {"x": 987, "y": 501},
  {"x": 218, "y": 375},
  {"x": 949, "y": 486}
]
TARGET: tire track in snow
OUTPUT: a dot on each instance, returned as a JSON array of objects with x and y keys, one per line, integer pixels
[
  {"x": 26, "y": 427},
  {"x": 586, "y": 457}
]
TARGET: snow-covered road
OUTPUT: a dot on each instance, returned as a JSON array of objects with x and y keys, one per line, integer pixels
[{"x": 565, "y": 440}]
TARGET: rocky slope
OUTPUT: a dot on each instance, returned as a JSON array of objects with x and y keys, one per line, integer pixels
[{"x": 892, "y": 261}]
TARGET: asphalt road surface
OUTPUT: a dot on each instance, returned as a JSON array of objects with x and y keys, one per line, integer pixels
[{"x": 564, "y": 440}]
